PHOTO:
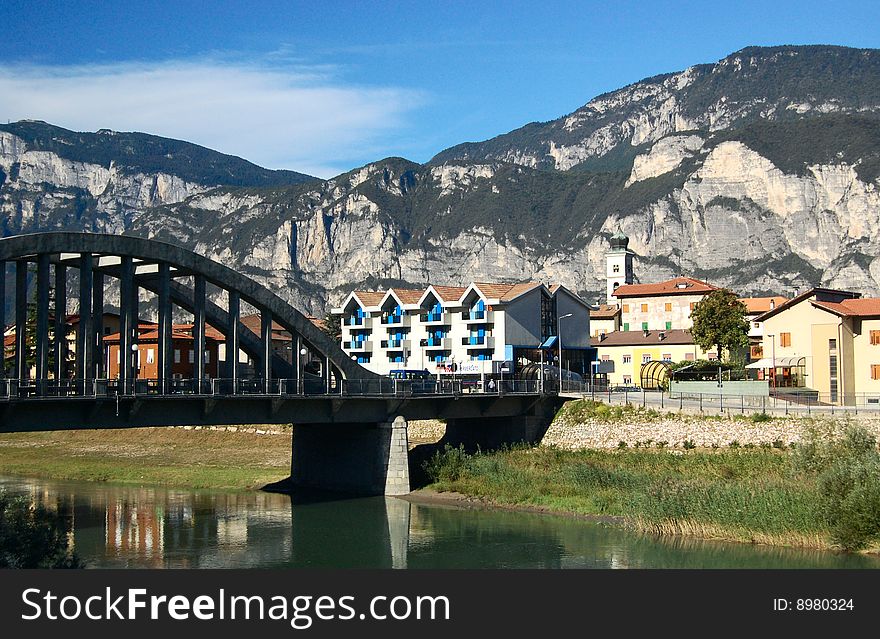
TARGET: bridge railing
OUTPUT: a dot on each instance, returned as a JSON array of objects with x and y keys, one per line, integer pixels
[{"x": 17, "y": 389}]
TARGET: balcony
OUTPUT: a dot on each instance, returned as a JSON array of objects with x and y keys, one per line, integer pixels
[
  {"x": 358, "y": 346},
  {"x": 391, "y": 320},
  {"x": 478, "y": 317},
  {"x": 358, "y": 322},
  {"x": 474, "y": 341},
  {"x": 434, "y": 318},
  {"x": 395, "y": 344},
  {"x": 443, "y": 343}
]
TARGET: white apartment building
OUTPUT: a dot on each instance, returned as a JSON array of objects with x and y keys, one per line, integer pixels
[{"x": 475, "y": 330}]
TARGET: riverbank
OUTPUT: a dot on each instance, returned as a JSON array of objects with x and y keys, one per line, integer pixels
[
  {"x": 819, "y": 487},
  {"x": 220, "y": 458}
]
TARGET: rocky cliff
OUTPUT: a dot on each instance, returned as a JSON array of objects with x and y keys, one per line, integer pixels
[{"x": 759, "y": 172}]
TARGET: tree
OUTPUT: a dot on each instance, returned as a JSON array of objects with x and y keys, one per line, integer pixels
[
  {"x": 31, "y": 536},
  {"x": 333, "y": 326},
  {"x": 719, "y": 322}
]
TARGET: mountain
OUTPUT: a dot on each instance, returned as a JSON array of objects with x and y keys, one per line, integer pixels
[{"x": 759, "y": 172}]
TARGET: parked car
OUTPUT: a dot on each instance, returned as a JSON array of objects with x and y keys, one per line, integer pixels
[{"x": 626, "y": 389}]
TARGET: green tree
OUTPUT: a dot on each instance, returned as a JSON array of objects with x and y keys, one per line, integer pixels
[
  {"x": 720, "y": 323},
  {"x": 333, "y": 326},
  {"x": 31, "y": 536}
]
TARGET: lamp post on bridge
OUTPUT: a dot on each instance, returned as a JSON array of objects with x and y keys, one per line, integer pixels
[{"x": 302, "y": 373}]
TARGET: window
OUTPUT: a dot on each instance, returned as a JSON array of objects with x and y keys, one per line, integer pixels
[
  {"x": 191, "y": 356},
  {"x": 626, "y": 326},
  {"x": 875, "y": 371},
  {"x": 712, "y": 356},
  {"x": 644, "y": 326},
  {"x": 627, "y": 359},
  {"x": 668, "y": 326},
  {"x": 668, "y": 307},
  {"x": 605, "y": 358},
  {"x": 151, "y": 356},
  {"x": 207, "y": 357},
  {"x": 626, "y": 308},
  {"x": 646, "y": 358},
  {"x": 757, "y": 324},
  {"x": 177, "y": 356},
  {"x": 667, "y": 357},
  {"x": 693, "y": 305},
  {"x": 785, "y": 339},
  {"x": 644, "y": 308},
  {"x": 875, "y": 338},
  {"x": 689, "y": 357},
  {"x": 627, "y": 380},
  {"x": 616, "y": 268}
]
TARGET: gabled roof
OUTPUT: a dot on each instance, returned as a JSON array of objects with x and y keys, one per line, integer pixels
[
  {"x": 862, "y": 307},
  {"x": 813, "y": 292},
  {"x": 178, "y": 332},
  {"x": 447, "y": 293},
  {"x": 756, "y": 305},
  {"x": 403, "y": 296},
  {"x": 364, "y": 299},
  {"x": 675, "y": 286},
  {"x": 556, "y": 289},
  {"x": 501, "y": 293},
  {"x": 674, "y": 336},
  {"x": 605, "y": 311}
]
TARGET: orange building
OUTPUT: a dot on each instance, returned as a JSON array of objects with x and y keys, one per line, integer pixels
[{"x": 182, "y": 354}]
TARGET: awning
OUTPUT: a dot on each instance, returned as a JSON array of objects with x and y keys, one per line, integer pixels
[
  {"x": 551, "y": 341},
  {"x": 780, "y": 362}
]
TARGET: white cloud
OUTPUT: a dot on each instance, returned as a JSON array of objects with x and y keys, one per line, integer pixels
[{"x": 302, "y": 118}]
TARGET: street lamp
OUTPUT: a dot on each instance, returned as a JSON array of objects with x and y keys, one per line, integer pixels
[
  {"x": 302, "y": 375},
  {"x": 559, "y": 339}
]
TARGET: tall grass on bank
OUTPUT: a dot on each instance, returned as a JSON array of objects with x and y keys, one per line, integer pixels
[{"x": 825, "y": 493}]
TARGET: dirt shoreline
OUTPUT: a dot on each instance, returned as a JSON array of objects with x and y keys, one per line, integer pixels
[{"x": 430, "y": 497}]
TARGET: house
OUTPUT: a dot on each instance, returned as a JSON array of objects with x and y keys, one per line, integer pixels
[
  {"x": 182, "y": 353},
  {"x": 624, "y": 355},
  {"x": 662, "y": 306},
  {"x": 825, "y": 342}
]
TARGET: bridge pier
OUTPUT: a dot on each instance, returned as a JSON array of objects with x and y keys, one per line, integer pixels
[{"x": 367, "y": 458}]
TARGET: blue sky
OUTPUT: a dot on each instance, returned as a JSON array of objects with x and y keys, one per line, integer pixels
[{"x": 325, "y": 86}]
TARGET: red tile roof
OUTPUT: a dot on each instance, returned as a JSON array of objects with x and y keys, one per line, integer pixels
[
  {"x": 370, "y": 298},
  {"x": 605, "y": 311},
  {"x": 449, "y": 293},
  {"x": 675, "y": 286},
  {"x": 862, "y": 307},
  {"x": 757, "y": 305},
  {"x": 408, "y": 295}
]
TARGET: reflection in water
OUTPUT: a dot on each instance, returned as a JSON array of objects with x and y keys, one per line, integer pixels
[{"x": 119, "y": 526}]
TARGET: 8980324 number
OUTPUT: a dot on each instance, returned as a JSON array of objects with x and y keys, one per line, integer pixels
[{"x": 824, "y": 604}]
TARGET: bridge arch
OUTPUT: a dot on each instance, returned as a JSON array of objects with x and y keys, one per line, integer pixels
[{"x": 177, "y": 277}]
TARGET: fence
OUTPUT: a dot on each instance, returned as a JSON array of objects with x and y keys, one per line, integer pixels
[{"x": 15, "y": 389}]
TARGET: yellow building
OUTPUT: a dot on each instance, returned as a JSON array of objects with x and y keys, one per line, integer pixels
[
  {"x": 825, "y": 341},
  {"x": 629, "y": 351}
]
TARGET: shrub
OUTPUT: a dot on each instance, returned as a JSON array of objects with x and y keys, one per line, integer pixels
[
  {"x": 733, "y": 444},
  {"x": 689, "y": 444},
  {"x": 848, "y": 479},
  {"x": 779, "y": 444},
  {"x": 761, "y": 417},
  {"x": 446, "y": 465},
  {"x": 622, "y": 445},
  {"x": 31, "y": 536}
]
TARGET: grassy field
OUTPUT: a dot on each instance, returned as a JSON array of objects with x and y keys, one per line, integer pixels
[
  {"x": 158, "y": 456},
  {"x": 757, "y": 495}
]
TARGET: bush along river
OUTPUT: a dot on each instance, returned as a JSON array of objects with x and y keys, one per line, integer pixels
[{"x": 123, "y": 526}]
